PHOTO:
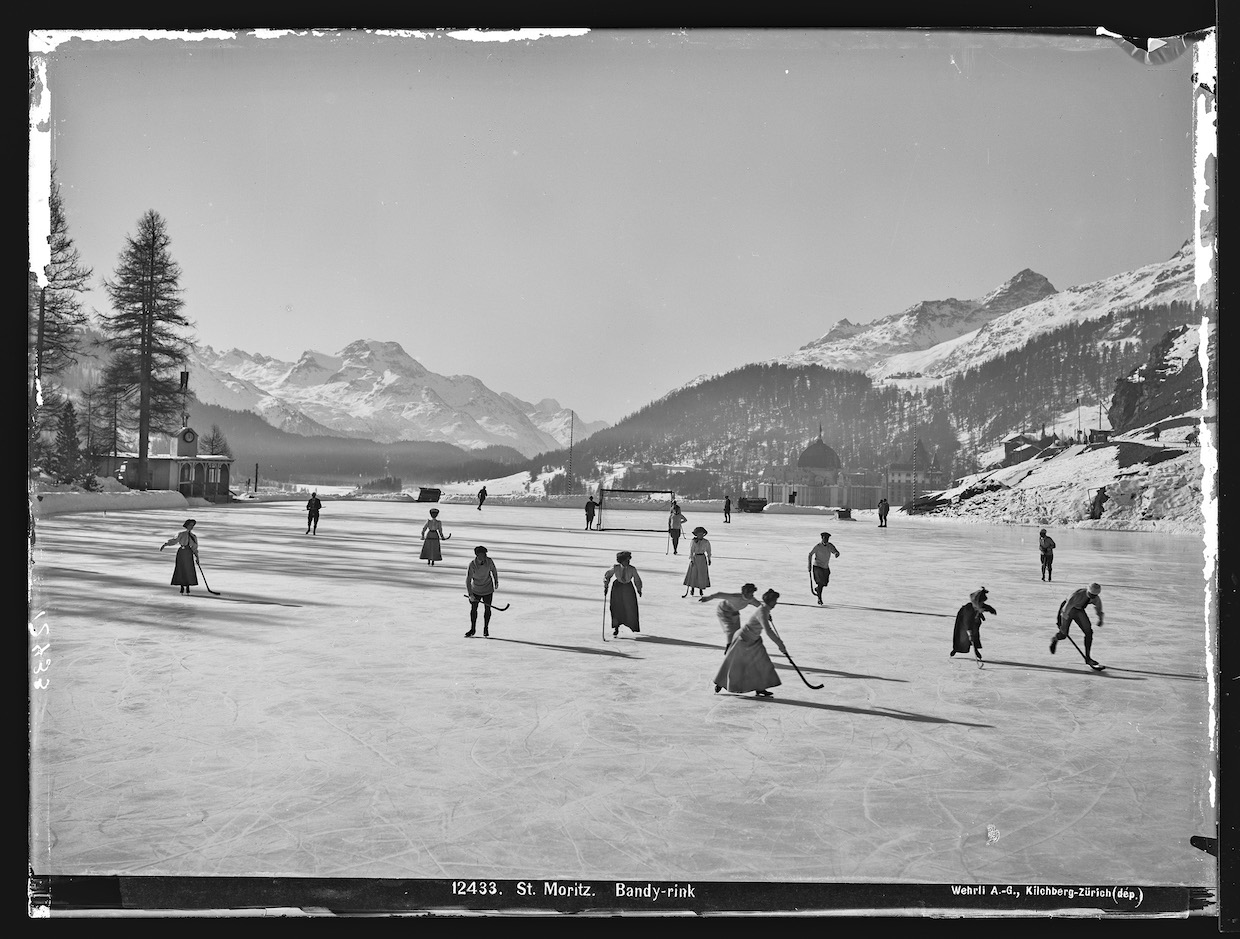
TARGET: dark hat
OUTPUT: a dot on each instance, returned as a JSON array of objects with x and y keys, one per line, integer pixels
[
  {"x": 1095, "y": 589},
  {"x": 1042, "y": 532},
  {"x": 434, "y": 512},
  {"x": 189, "y": 523},
  {"x": 623, "y": 556},
  {"x": 770, "y": 596},
  {"x": 747, "y": 589},
  {"x": 699, "y": 530},
  {"x": 825, "y": 534},
  {"x": 481, "y": 549}
]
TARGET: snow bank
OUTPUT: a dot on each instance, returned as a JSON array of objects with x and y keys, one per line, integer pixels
[
  {"x": 1148, "y": 489},
  {"x": 60, "y": 502}
]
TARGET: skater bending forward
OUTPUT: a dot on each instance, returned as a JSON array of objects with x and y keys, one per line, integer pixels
[
  {"x": 969, "y": 619},
  {"x": 1072, "y": 611},
  {"x": 481, "y": 579},
  {"x": 729, "y": 609},
  {"x": 746, "y": 666},
  {"x": 624, "y": 594}
]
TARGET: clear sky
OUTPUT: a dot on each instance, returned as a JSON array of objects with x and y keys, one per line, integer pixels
[{"x": 601, "y": 218}]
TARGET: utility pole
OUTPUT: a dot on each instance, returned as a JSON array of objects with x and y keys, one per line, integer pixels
[{"x": 571, "y": 420}]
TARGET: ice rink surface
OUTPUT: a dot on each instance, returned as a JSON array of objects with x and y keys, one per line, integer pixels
[{"x": 325, "y": 717}]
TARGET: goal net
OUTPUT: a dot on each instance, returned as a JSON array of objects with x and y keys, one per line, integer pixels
[{"x": 634, "y": 509}]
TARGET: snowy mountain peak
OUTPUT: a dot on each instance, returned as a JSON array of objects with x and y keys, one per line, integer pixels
[
  {"x": 1026, "y": 287},
  {"x": 859, "y": 347},
  {"x": 379, "y": 357}
]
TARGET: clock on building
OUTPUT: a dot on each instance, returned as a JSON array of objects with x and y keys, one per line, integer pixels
[{"x": 189, "y": 436}]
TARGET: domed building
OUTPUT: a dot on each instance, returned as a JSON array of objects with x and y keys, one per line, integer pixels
[{"x": 819, "y": 478}]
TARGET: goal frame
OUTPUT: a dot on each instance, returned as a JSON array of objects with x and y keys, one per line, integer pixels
[{"x": 602, "y": 506}]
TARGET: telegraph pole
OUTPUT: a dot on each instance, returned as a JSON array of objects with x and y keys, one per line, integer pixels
[{"x": 571, "y": 420}]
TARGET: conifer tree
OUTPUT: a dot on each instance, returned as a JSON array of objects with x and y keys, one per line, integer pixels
[
  {"x": 144, "y": 331},
  {"x": 67, "y": 455}
]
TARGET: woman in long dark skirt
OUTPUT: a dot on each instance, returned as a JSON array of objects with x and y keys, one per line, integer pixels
[
  {"x": 624, "y": 594},
  {"x": 747, "y": 666},
  {"x": 432, "y": 533},
  {"x": 183, "y": 574}
]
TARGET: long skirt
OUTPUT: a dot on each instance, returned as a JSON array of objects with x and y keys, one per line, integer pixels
[
  {"x": 183, "y": 574},
  {"x": 624, "y": 607},
  {"x": 730, "y": 620},
  {"x": 698, "y": 575},
  {"x": 746, "y": 667},
  {"x": 430, "y": 547}
]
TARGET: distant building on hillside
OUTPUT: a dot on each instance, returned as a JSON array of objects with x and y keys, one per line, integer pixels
[
  {"x": 921, "y": 474},
  {"x": 820, "y": 478},
  {"x": 182, "y": 469}
]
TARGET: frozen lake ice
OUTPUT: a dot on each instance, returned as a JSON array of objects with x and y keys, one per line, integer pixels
[{"x": 325, "y": 717}]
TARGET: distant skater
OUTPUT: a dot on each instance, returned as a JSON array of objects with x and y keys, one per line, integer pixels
[
  {"x": 697, "y": 577},
  {"x": 481, "y": 579},
  {"x": 312, "y": 514},
  {"x": 674, "y": 522},
  {"x": 591, "y": 505},
  {"x": 884, "y": 507},
  {"x": 969, "y": 619},
  {"x": 1046, "y": 550},
  {"x": 727, "y": 508},
  {"x": 624, "y": 594},
  {"x": 183, "y": 574},
  {"x": 432, "y": 535},
  {"x": 729, "y": 609},
  {"x": 482, "y": 497},
  {"x": 1072, "y": 611},
  {"x": 746, "y": 665},
  {"x": 820, "y": 563}
]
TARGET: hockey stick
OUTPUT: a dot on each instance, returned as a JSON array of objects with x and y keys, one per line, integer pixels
[
  {"x": 605, "y": 616},
  {"x": 493, "y": 606},
  {"x": 1094, "y": 665},
  {"x": 794, "y": 664},
  {"x": 686, "y": 593},
  {"x": 204, "y": 578}
]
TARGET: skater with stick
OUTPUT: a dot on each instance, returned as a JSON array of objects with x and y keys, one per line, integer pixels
[
  {"x": 183, "y": 573},
  {"x": 968, "y": 628},
  {"x": 482, "y": 497},
  {"x": 591, "y": 505},
  {"x": 697, "y": 577},
  {"x": 1072, "y": 611},
  {"x": 746, "y": 666},
  {"x": 674, "y": 521},
  {"x": 820, "y": 564},
  {"x": 729, "y": 609},
  {"x": 1046, "y": 550},
  {"x": 312, "y": 514},
  {"x": 432, "y": 535},
  {"x": 624, "y": 594},
  {"x": 727, "y": 509},
  {"x": 481, "y": 580}
]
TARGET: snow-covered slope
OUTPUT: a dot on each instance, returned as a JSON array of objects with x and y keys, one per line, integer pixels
[
  {"x": 1161, "y": 283},
  {"x": 370, "y": 389},
  {"x": 549, "y": 416},
  {"x": 922, "y": 326}
]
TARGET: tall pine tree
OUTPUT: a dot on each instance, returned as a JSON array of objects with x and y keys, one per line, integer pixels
[
  {"x": 68, "y": 449},
  {"x": 144, "y": 331},
  {"x": 54, "y": 322}
]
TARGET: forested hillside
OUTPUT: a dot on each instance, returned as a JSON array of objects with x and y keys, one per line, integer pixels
[{"x": 734, "y": 425}]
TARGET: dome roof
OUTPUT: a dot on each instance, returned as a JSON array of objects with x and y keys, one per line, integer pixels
[{"x": 819, "y": 456}]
